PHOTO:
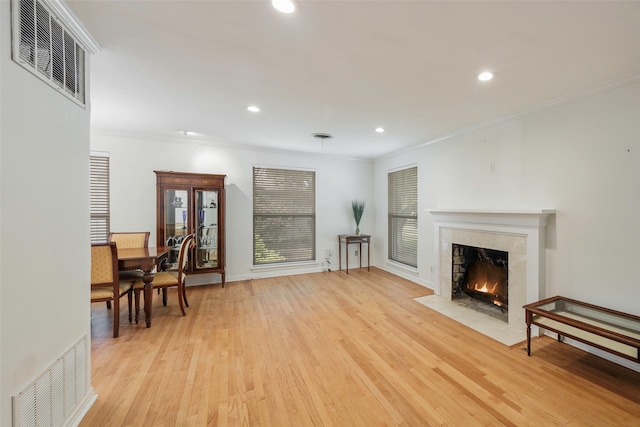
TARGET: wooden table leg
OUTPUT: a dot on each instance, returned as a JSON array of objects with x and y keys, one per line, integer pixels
[
  {"x": 346, "y": 256},
  {"x": 528, "y": 318},
  {"x": 148, "y": 296},
  {"x": 368, "y": 256},
  {"x": 339, "y": 254}
]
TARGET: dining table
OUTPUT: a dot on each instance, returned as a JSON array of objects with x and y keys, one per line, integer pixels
[{"x": 145, "y": 259}]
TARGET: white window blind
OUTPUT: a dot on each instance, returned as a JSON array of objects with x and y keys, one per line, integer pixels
[
  {"x": 99, "y": 198},
  {"x": 403, "y": 216},
  {"x": 284, "y": 216}
]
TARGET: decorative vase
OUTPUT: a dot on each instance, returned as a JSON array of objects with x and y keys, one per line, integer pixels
[{"x": 358, "y": 209}]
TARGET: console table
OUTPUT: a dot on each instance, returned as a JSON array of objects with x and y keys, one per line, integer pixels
[
  {"x": 348, "y": 239},
  {"x": 609, "y": 330}
]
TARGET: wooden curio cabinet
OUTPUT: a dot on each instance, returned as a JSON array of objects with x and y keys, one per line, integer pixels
[{"x": 192, "y": 203}]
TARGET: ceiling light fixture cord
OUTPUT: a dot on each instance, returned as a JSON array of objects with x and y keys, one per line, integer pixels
[{"x": 322, "y": 136}]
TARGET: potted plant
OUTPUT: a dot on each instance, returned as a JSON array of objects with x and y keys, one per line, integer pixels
[{"x": 358, "y": 209}]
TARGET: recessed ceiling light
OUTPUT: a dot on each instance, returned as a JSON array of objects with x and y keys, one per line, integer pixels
[
  {"x": 284, "y": 6},
  {"x": 253, "y": 109},
  {"x": 485, "y": 76},
  {"x": 187, "y": 132},
  {"x": 379, "y": 129}
]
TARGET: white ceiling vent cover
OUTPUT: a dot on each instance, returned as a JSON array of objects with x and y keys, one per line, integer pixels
[{"x": 44, "y": 44}]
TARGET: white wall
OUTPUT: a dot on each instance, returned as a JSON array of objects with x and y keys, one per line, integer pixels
[
  {"x": 581, "y": 158},
  {"x": 44, "y": 224},
  {"x": 133, "y": 193}
]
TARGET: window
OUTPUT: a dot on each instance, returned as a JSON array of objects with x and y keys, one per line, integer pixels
[
  {"x": 99, "y": 197},
  {"x": 43, "y": 44},
  {"x": 284, "y": 216},
  {"x": 403, "y": 216}
]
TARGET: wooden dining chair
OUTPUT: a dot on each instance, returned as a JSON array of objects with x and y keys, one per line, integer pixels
[
  {"x": 105, "y": 282},
  {"x": 129, "y": 240},
  {"x": 167, "y": 279}
]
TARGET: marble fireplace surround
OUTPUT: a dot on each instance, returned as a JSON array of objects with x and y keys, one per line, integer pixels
[{"x": 520, "y": 233}]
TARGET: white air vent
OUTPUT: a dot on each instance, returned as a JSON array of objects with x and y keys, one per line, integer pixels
[
  {"x": 52, "y": 397},
  {"x": 44, "y": 45}
]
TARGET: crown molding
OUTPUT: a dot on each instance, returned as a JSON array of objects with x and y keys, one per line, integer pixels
[{"x": 62, "y": 12}]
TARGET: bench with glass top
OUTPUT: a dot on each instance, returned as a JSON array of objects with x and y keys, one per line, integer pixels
[{"x": 609, "y": 330}]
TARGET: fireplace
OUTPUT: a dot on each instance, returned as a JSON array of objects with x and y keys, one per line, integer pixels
[
  {"x": 481, "y": 274},
  {"x": 513, "y": 241}
]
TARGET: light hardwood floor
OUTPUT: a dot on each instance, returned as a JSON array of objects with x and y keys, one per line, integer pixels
[{"x": 331, "y": 349}]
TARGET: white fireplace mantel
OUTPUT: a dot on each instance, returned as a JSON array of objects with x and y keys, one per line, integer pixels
[
  {"x": 531, "y": 218},
  {"x": 522, "y": 233}
]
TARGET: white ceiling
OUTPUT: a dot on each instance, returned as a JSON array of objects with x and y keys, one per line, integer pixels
[{"x": 344, "y": 67}]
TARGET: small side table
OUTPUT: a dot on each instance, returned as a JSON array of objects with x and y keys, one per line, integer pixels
[{"x": 348, "y": 239}]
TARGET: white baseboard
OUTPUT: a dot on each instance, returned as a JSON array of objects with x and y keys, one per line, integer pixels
[{"x": 81, "y": 410}]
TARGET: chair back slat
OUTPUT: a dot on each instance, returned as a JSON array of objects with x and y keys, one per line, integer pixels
[{"x": 183, "y": 256}]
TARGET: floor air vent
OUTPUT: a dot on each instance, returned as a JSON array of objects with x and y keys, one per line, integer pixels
[{"x": 55, "y": 394}]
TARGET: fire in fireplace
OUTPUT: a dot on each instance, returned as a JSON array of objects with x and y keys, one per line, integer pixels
[{"x": 481, "y": 274}]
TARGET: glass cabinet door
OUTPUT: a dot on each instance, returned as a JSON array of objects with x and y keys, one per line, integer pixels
[
  {"x": 176, "y": 222},
  {"x": 206, "y": 229}
]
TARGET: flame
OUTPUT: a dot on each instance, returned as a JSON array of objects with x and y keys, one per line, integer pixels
[
  {"x": 486, "y": 289},
  {"x": 487, "y": 282}
]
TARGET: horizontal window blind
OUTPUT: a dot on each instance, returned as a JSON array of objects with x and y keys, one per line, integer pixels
[
  {"x": 99, "y": 198},
  {"x": 284, "y": 216},
  {"x": 403, "y": 216}
]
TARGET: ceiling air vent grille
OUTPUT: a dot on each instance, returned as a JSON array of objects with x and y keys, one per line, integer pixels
[{"x": 45, "y": 46}]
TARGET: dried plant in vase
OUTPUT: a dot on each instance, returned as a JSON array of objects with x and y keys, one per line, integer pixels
[{"x": 358, "y": 209}]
